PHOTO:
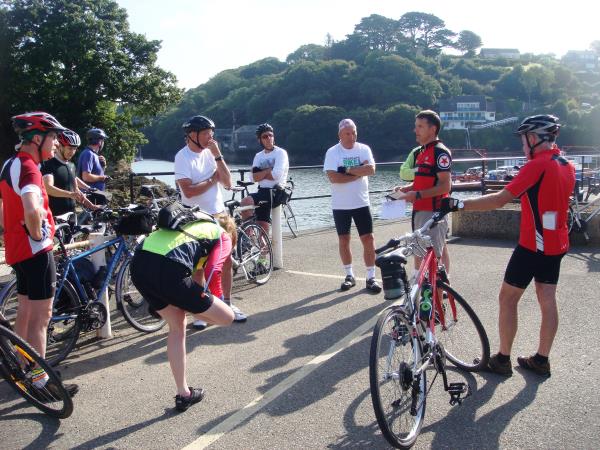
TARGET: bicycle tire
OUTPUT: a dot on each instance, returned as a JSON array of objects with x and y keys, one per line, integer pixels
[
  {"x": 391, "y": 379},
  {"x": 467, "y": 346},
  {"x": 9, "y": 302},
  {"x": 570, "y": 219},
  {"x": 290, "y": 219},
  {"x": 63, "y": 333},
  {"x": 132, "y": 304},
  {"x": 255, "y": 253},
  {"x": 52, "y": 399}
]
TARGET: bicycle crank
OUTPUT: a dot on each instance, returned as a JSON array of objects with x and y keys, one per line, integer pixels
[{"x": 95, "y": 316}]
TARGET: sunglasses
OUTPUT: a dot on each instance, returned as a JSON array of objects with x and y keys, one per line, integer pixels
[{"x": 267, "y": 136}]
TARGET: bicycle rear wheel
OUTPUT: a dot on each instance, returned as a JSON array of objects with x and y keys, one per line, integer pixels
[
  {"x": 463, "y": 336},
  {"x": 399, "y": 398},
  {"x": 290, "y": 218},
  {"x": 65, "y": 324},
  {"x": 256, "y": 254},
  {"x": 133, "y": 305},
  {"x": 17, "y": 359}
]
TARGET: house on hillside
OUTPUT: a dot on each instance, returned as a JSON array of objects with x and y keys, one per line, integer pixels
[
  {"x": 464, "y": 110},
  {"x": 509, "y": 53},
  {"x": 581, "y": 60},
  {"x": 244, "y": 139}
]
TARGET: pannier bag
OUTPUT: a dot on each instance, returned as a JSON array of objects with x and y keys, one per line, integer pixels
[{"x": 135, "y": 222}]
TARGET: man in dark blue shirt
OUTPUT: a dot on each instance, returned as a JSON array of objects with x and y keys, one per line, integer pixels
[{"x": 90, "y": 166}]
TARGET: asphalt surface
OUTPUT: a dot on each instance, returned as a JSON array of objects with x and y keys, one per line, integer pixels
[{"x": 295, "y": 375}]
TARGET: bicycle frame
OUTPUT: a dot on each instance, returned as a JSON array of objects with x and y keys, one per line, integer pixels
[{"x": 121, "y": 247}]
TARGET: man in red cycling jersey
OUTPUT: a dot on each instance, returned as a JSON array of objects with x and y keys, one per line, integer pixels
[
  {"x": 29, "y": 229},
  {"x": 544, "y": 185}
]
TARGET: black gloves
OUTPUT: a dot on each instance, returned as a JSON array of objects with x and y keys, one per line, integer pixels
[{"x": 450, "y": 204}]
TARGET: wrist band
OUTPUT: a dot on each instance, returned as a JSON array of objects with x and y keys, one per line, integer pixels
[{"x": 418, "y": 195}]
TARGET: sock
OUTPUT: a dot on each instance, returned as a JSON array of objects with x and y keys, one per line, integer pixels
[
  {"x": 503, "y": 358},
  {"x": 348, "y": 270},
  {"x": 540, "y": 359},
  {"x": 370, "y": 272},
  {"x": 227, "y": 301},
  {"x": 39, "y": 377}
]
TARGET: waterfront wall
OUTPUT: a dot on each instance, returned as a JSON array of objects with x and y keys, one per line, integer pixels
[{"x": 504, "y": 224}]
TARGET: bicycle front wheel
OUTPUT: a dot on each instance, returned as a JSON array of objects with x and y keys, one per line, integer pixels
[
  {"x": 65, "y": 324},
  {"x": 460, "y": 331},
  {"x": 133, "y": 305},
  {"x": 256, "y": 254},
  {"x": 290, "y": 219},
  {"x": 9, "y": 302},
  {"x": 398, "y": 396},
  {"x": 17, "y": 360}
]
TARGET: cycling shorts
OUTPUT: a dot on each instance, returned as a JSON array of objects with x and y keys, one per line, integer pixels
[
  {"x": 163, "y": 282},
  {"x": 525, "y": 265},
  {"x": 437, "y": 233},
  {"x": 36, "y": 276},
  {"x": 263, "y": 212},
  {"x": 361, "y": 216}
]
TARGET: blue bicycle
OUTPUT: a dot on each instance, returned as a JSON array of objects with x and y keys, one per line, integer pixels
[{"x": 76, "y": 306}]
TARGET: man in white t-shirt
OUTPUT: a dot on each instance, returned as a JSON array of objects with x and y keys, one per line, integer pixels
[
  {"x": 348, "y": 164},
  {"x": 270, "y": 169},
  {"x": 199, "y": 168}
]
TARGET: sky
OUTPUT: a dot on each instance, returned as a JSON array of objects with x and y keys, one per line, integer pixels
[{"x": 201, "y": 38}]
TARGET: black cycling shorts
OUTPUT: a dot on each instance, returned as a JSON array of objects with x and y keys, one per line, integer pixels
[
  {"x": 361, "y": 216},
  {"x": 525, "y": 265},
  {"x": 164, "y": 282},
  {"x": 36, "y": 276},
  {"x": 263, "y": 212}
]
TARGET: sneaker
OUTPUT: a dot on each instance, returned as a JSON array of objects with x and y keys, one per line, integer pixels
[
  {"x": 495, "y": 366},
  {"x": 183, "y": 403},
  {"x": 373, "y": 286},
  {"x": 239, "y": 316},
  {"x": 529, "y": 363},
  {"x": 348, "y": 283},
  {"x": 199, "y": 324}
]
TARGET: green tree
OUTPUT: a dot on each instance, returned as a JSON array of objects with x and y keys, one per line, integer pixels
[
  {"x": 427, "y": 33},
  {"x": 78, "y": 60},
  {"x": 309, "y": 52},
  {"x": 468, "y": 42}
]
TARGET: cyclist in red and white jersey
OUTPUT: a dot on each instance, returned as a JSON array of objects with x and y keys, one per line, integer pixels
[{"x": 544, "y": 185}]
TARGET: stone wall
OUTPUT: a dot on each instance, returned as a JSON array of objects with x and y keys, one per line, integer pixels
[{"x": 504, "y": 224}]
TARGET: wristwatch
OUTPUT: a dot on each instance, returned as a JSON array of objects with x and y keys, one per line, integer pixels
[
  {"x": 417, "y": 195},
  {"x": 219, "y": 158}
]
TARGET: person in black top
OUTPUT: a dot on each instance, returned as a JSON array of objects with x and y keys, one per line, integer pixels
[{"x": 59, "y": 177}]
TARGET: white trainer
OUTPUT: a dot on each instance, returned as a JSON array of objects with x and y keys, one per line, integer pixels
[
  {"x": 199, "y": 324},
  {"x": 239, "y": 316}
]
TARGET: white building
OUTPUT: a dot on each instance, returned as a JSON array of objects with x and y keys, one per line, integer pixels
[{"x": 466, "y": 110}]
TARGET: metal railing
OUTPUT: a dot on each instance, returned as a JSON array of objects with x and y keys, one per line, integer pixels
[{"x": 484, "y": 162}]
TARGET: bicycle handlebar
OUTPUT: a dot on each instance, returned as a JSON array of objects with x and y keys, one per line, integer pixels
[{"x": 415, "y": 236}]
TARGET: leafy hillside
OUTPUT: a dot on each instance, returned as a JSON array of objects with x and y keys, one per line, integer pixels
[{"x": 381, "y": 75}]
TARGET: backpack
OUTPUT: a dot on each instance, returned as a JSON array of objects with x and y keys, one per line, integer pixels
[{"x": 174, "y": 216}]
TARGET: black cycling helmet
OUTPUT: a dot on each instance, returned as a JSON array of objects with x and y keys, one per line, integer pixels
[
  {"x": 263, "y": 128},
  {"x": 198, "y": 123},
  {"x": 95, "y": 135},
  {"x": 69, "y": 138},
  {"x": 546, "y": 126}
]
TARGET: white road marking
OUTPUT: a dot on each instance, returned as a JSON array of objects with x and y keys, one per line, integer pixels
[
  {"x": 322, "y": 275},
  {"x": 261, "y": 401}
]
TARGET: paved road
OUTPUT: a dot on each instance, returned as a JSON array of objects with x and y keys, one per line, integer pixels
[{"x": 295, "y": 376}]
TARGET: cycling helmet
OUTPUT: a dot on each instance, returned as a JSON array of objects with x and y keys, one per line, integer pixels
[
  {"x": 69, "y": 138},
  {"x": 95, "y": 135},
  {"x": 544, "y": 125},
  {"x": 263, "y": 128},
  {"x": 198, "y": 123},
  {"x": 36, "y": 121}
]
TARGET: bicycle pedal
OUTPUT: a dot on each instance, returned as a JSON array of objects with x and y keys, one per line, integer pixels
[{"x": 456, "y": 391}]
